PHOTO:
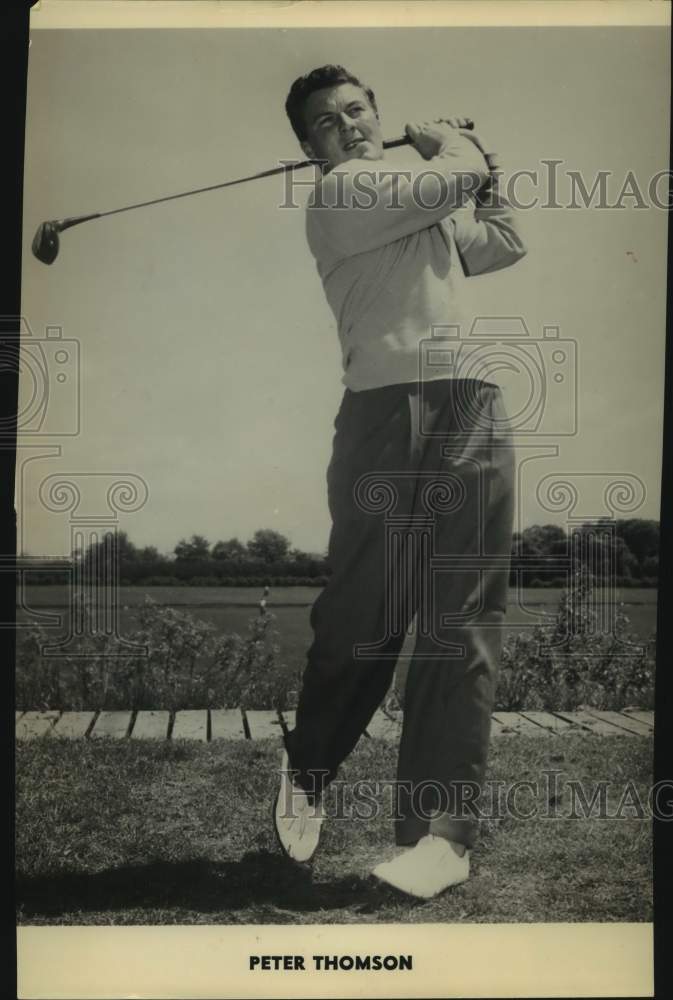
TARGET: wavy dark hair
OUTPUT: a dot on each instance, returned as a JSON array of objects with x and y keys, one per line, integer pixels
[{"x": 318, "y": 79}]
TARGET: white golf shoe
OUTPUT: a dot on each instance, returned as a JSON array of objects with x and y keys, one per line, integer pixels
[
  {"x": 426, "y": 869},
  {"x": 296, "y": 820}
]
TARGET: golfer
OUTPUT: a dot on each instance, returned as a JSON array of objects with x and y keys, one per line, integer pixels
[{"x": 392, "y": 246}]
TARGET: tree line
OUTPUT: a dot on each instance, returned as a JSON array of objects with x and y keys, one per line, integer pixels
[{"x": 625, "y": 551}]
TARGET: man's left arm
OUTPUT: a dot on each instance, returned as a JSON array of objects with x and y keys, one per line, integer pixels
[{"x": 486, "y": 230}]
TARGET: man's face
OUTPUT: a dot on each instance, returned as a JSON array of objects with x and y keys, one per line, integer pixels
[{"x": 341, "y": 125}]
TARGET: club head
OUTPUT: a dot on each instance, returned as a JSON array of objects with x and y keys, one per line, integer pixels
[{"x": 45, "y": 244}]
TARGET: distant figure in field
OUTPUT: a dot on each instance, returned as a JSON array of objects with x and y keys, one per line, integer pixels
[{"x": 262, "y": 603}]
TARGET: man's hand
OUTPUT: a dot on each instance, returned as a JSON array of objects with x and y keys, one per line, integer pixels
[{"x": 431, "y": 137}]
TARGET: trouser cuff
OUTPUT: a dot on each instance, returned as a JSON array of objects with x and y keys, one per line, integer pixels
[{"x": 461, "y": 831}]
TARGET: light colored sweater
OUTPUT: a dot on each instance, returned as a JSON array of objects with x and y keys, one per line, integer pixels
[{"x": 391, "y": 273}]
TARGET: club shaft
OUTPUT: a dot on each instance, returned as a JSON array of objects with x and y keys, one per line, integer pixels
[
  {"x": 210, "y": 187},
  {"x": 402, "y": 140},
  {"x": 286, "y": 168}
]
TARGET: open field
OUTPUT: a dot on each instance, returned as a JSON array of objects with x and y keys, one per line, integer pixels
[
  {"x": 56, "y": 596},
  {"x": 230, "y": 608},
  {"x": 123, "y": 832}
]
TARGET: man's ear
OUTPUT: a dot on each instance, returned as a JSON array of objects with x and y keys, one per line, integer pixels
[{"x": 308, "y": 150}]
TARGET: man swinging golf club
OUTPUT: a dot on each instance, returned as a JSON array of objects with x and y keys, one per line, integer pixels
[{"x": 391, "y": 267}]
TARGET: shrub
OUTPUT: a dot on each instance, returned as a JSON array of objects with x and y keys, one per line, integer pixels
[
  {"x": 558, "y": 666},
  {"x": 76, "y": 679},
  {"x": 569, "y": 663},
  {"x": 188, "y": 665}
]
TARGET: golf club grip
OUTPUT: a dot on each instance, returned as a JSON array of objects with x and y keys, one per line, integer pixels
[{"x": 404, "y": 140}]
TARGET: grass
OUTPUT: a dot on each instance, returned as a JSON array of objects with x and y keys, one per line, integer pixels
[{"x": 180, "y": 833}]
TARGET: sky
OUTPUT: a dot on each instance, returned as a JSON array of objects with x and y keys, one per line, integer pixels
[{"x": 209, "y": 364}]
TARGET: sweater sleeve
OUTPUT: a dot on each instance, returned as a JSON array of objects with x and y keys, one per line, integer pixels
[
  {"x": 487, "y": 233},
  {"x": 363, "y": 205}
]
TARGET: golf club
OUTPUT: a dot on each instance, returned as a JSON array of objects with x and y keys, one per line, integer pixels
[{"x": 46, "y": 243}]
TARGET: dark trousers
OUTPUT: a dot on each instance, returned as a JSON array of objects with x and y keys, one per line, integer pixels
[{"x": 420, "y": 490}]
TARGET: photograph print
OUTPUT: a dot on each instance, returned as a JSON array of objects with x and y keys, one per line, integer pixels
[{"x": 338, "y": 476}]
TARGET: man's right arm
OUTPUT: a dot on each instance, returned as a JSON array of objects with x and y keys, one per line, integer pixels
[{"x": 362, "y": 205}]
